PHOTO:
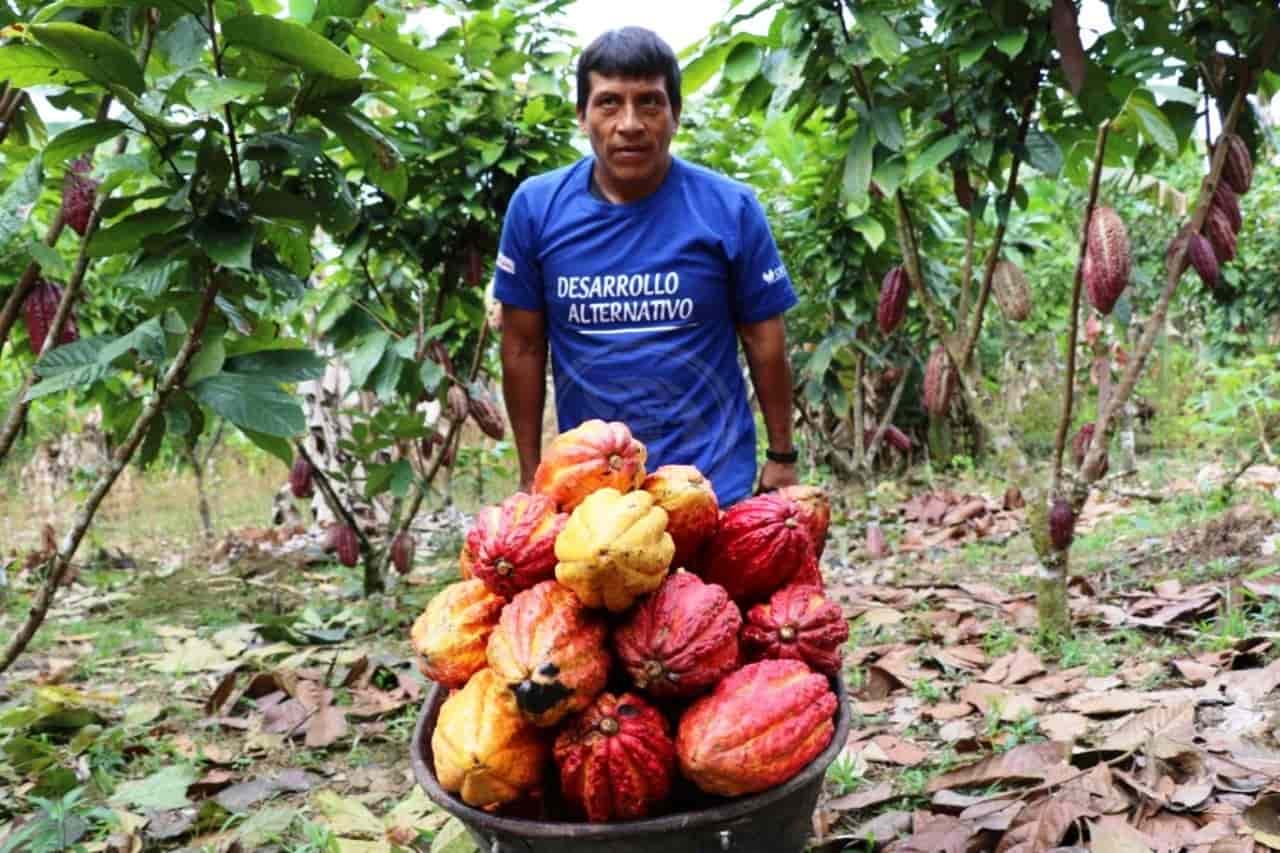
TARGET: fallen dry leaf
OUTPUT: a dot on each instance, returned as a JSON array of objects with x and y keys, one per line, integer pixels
[
  {"x": 1028, "y": 762},
  {"x": 1064, "y": 726},
  {"x": 1162, "y": 732},
  {"x": 1111, "y": 834},
  {"x": 1013, "y": 668},
  {"x": 1043, "y": 825},
  {"x": 862, "y": 799}
]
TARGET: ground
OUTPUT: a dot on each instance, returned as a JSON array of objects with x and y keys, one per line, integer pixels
[{"x": 236, "y": 696}]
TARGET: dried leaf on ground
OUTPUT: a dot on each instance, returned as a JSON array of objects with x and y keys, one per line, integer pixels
[
  {"x": 862, "y": 799},
  {"x": 936, "y": 834},
  {"x": 1028, "y": 762},
  {"x": 1162, "y": 731},
  {"x": 1043, "y": 825},
  {"x": 1111, "y": 834},
  {"x": 1013, "y": 668},
  {"x": 1064, "y": 726}
]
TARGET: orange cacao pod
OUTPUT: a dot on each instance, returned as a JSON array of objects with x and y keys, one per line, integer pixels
[
  {"x": 513, "y": 544},
  {"x": 591, "y": 456},
  {"x": 38, "y": 311},
  {"x": 798, "y": 622},
  {"x": 1062, "y": 524},
  {"x": 485, "y": 412},
  {"x": 616, "y": 758},
  {"x": 484, "y": 750},
  {"x": 452, "y": 634},
  {"x": 681, "y": 639},
  {"x": 894, "y": 292},
  {"x": 1221, "y": 237},
  {"x": 1013, "y": 295},
  {"x": 761, "y": 544},
  {"x": 1108, "y": 259},
  {"x": 757, "y": 729},
  {"x": 939, "y": 379},
  {"x": 815, "y": 511},
  {"x": 1237, "y": 168},
  {"x": 346, "y": 543},
  {"x": 691, "y": 506},
  {"x": 1201, "y": 256},
  {"x": 550, "y": 650},
  {"x": 300, "y": 478},
  {"x": 79, "y": 192},
  {"x": 403, "y": 549}
]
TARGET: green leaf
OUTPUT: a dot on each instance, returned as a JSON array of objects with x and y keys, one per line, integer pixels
[
  {"x": 207, "y": 361},
  {"x": 1043, "y": 152},
  {"x": 147, "y": 340},
  {"x": 871, "y": 230},
  {"x": 857, "y": 165},
  {"x": 366, "y": 357},
  {"x": 882, "y": 37},
  {"x": 52, "y": 264},
  {"x": 227, "y": 241},
  {"x": 252, "y": 403},
  {"x": 406, "y": 54},
  {"x": 743, "y": 62},
  {"x": 75, "y": 365},
  {"x": 279, "y": 365},
  {"x": 126, "y": 235},
  {"x": 453, "y": 837},
  {"x": 291, "y": 43},
  {"x": 970, "y": 55},
  {"x": 96, "y": 55},
  {"x": 1155, "y": 126},
  {"x": 1011, "y": 43},
  {"x": 73, "y": 142},
  {"x": 695, "y": 75},
  {"x": 373, "y": 150},
  {"x": 888, "y": 127},
  {"x": 215, "y": 94},
  {"x": 277, "y": 447},
  {"x": 26, "y": 65},
  {"x": 18, "y": 199},
  {"x": 934, "y": 155},
  {"x": 162, "y": 791},
  {"x": 152, "y": 275},
  {"x": 430, "y": 373}
]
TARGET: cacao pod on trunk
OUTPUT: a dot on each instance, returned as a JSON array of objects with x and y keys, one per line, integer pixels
[
  {"x": 893, "y": 437},
  {"x": 1237, "y": 168},
  {"x": 79, "y": 192},
  {"x": 1108, "y": 261},
  {"x": 1226, "y": 200},
  {"x": 1221, "y": 237},
  {"x": 894, "y": 293},
  {"x": 1013, "y": 295},
  {"x": 475, "y": 265},
  {"x": 939, "y": 378},
  {"x": 1201, "y": 256},
  {"x": 459, "y": 402},
  {"x": 300, "y": 478},
  {"x": 402, "y": 552},
  {"x": 485, "y": 412},
  {"x": 38, "y": 311},
  {"x": 962, "y": 187},
  {"x": 346, "y": 543},
  {"x": 1062, "y": 524}
]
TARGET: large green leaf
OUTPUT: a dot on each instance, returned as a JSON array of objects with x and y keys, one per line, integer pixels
[
  {"x": 280, "y": 365},
  {"x": 26, "y": 65},
  {"x": 18, "y": 199},
  {"x": 215, "y": 94},
  {"x": 857, "y": 164},
  {"x": 743, "y": 62},
  {"x": 73, "y": 142},
  {"x": 1155, "y": 126},
  {"x": 292, "y": 43},
  {"x": 75, "y": 365},
  {"x": 96, "y": 55},
  {"x": 1043, "y": 152},
  {"x": 373, "y": 150},
  {"x": 406, "y": 54},
  {"x": 252, "y": 403},
  {"x": 880, "y": 34},
  {"x": 1011, "y": 43},
  {"x": 146, "y": 341},
  {"x": 126, "y": 234},
  {"x": 226, "y": 240},
  {"x": 276, "y": 446},
  {"x": 933, "y": 155},
  {"x": 694, "y": 75}
]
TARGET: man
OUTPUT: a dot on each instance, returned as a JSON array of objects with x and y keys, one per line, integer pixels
[{"x": 642, "y": 271}]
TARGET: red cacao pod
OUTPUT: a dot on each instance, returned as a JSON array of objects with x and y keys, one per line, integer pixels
[
  {"x": 877, "y": 547},
  {"x": 452, "y": 634},
  {"x": 799, "y": 623},
  {"x": 962, "y": 187},
  {"x": 898, "y": 439},
  {"x": 1012, "y": 293},
  {"x": 440, "y": 355},
  {"x": 487, "y": 415},
  {"x": 402, "y": 552},
  {"x": 681, "y": 639},
  {"x": 459, "y": 402},
  {"x": 475, "y": 265},
  {"x": 815, "y": 512},
  {"x": 550, "y": 650},
  {"x": 1201, "y": 256},
  {"x": 1080, "y": 447},
  {"x": 616, "y": 758},
  {"x": 1062, "y": 524},
  {"x": 300, "y": 475},
  {"x": 38, "y": 311},
  {"x": 760, "y": 727},
  {"x": 1108, "y": 259},
  {"x": 762, "y": 542},
  {"x": 1226, "y": 200},
  {"x": 1221, "y": 237},
  {"x": 939, "y": 379},
  {"x": 894, "y": 293},
  {"x": 346, "y": 543},
  {"x": 513, "y": 544},
  {"x": 79, "y": 192},
  {"x": 693, "y": 513},
  {"x": 809, "y": 574},
  {"x": 1237, "y": 167},
  {"x": 591, "y": 456}
]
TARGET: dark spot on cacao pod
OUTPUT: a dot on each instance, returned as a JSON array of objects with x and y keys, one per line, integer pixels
[
  {"x": 627, "y": 710},
  {"x": 548, "y": 670},
  {"x": 538, "y": 697}
]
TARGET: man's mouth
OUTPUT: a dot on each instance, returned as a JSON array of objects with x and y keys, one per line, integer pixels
[{"x": 631, "y": 152}]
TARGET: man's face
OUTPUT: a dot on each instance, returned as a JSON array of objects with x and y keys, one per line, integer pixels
[{"x": 630, "y": 122}]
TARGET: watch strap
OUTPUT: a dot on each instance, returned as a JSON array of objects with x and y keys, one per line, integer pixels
[{"x": 788, "y": 458}]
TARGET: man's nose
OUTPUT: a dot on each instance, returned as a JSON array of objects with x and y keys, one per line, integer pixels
[{"x": 630, "y": 122}]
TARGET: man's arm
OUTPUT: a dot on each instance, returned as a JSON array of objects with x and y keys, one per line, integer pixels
[
  {"x": 524, "y": 383},
  {"x": 765, "y": 344}
]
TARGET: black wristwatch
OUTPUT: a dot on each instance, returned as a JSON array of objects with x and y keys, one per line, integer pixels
[{"x": 788, "y": 458}]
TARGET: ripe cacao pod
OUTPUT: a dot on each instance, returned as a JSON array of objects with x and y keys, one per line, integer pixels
[
  {"x": 1012, "y": 293},
  {"x": 893, "y": 437},
  {"x": 691, "y": 506},
  {"x": 484, "y": 750},
  {"x": 614, "y": 549},
  {"x": 939, "y": 379},
  {"x": 1108, "y": 261},
  {"x": 452, "y": 634},
  {"x": 616, "y": 758},
  {"x": 760, "y": 726},
  {"x": 1201, "y": 256},
  {"x": 1080, "y": 447},
  {"x": 466, "y": 560},
  {"x": 403, "y": 549},
  {"x": 877, "y": 547},
  {"x": 761, "y": 544},
  {"x": 1237, "y": 168},
  {"x": 1062, "y": 524},
  {"x": 895, "y": 290},
  {"x": 1226, "y": 200},
  {"x": 550, "y": 650},
  {"x": 38, "y": 311},
  {"x": 300, "y": 478},
  {"x": 594, "y": 455},
  {"x": 1221, "y": 237},
  {"x": 682, "y": 639},
  {"x": 513, "y": 544},
  {"x": 79, "y": 192},
  {"x": 346, "y": 543},
  {"x": 962, "y": 187},
  {"x": 487, "y": 415},
  {"x": 815, "y": 512},
  {"x": 798, "y": 622},
  {"x": 459, "y": 402},
  {"x": 809, "y": 573}
]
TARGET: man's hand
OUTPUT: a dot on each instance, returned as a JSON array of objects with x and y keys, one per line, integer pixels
[
  {"x": 775, "y": 475},
  {"x": 524, "y": 378}
]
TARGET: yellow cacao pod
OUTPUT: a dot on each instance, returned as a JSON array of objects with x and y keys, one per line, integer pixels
[{"x": 614, "y": 549}]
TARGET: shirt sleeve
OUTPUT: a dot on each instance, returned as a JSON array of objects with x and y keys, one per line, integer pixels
[
  {"x": 761, "y": 288},
  {"x": 518, "y": 276}
]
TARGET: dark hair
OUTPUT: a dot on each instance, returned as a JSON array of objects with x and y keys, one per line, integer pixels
[{"x": 629, "y": 52}]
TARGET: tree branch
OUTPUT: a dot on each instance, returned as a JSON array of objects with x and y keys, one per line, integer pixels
[{"x": 226, "y": 108}]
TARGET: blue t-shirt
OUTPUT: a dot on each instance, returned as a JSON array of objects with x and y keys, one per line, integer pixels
[{"x": 642, "y": 301}]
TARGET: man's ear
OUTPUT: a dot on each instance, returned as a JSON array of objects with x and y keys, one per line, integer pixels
[{"x": 582, "y": 120}]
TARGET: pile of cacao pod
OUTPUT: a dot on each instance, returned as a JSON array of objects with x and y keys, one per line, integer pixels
[{"x": 619, "y": 647}]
